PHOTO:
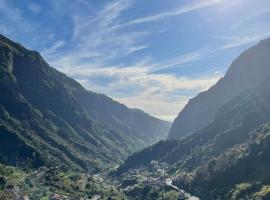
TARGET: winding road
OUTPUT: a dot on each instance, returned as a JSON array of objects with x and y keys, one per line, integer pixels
[
  {"x": 96, "y": 197},
  {"x": 169, "y": 181}
]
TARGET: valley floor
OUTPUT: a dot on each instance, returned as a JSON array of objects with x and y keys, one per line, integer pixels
[
  {"x": 58, "y": 184},
  {"x": 152, "y": 182}
]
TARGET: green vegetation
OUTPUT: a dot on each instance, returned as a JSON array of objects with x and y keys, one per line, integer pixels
[
  {"x": 47, "y": 182},
  {"x": 239, "y": 172},
  {"x": 55, "y": 135},
  {"x": 49, "y": 119},
  {"x": 145, "y": 192},
  {"x": 263, "y": 194},
  {"x": 240, "y": 190},
  {"x": 229, "y": 158}
]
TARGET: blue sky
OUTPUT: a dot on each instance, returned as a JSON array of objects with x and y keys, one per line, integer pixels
[{"x": 153, "y": 55}]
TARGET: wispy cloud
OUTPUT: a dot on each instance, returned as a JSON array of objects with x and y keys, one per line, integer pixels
[
  {"x": 141, "y": 77},
  {"x": 102, "y": 44},
  {"x": 177, "y": 61},
  {"x": 253, "y": 16},
  {"x": 105, "y": 50},
  {"x": 16, "y": 25},
  {"x": 109, "y": 41},
  {"x": 245, "y": 39},
  {"x": 52, "y": 50},
  {"x": 34, "y": 7},
  {"x": 181, "y": 10},
  {"x": 161, "y": 107},
  {"x": 12, "y": 16},
  {"x": 137, "y": 87}
]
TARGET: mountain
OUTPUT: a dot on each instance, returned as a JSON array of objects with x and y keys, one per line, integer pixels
[
  {"x": 232, "y": 125},
  {"x": 249, "y": 70},
  {"x": 239, "y": 173},
  {"x": 227, "y": 159},
  {"x": 47, "y": 118}
]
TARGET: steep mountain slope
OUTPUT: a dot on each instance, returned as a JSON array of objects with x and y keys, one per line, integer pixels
[
  {"x": 51, "y": 119},
  {"x": 239, "y": 173},
  {"x": 249, "y": 70},
  {"x": 227, "y": 159},
  {"x": 232, "y": 125}
]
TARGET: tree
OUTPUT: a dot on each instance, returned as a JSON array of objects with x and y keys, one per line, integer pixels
[{"x": 3, "y": 182}]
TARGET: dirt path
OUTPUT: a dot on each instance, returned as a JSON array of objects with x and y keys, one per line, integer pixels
[{"x": 96, "y": 197}]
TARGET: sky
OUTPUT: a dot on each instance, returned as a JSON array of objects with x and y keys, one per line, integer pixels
[{"x": 154, "y": 55}]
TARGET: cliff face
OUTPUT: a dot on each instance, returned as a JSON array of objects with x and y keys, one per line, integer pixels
[{"x": 249, "y": 70}]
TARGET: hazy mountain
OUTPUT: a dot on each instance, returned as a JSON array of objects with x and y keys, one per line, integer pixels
[
  {"x": 249, "y": 70},
  {"x": 49, "y": 118}
]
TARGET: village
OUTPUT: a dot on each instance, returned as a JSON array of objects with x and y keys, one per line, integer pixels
[{"x": 154, "y": 175}]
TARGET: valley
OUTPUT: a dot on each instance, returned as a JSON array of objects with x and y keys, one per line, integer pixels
[
  {"x": 156, "y": 178},
  {"x": 213, "y": 162},
  {"x": 55, "y": 146},
  {"x": 60, "y": 141}
]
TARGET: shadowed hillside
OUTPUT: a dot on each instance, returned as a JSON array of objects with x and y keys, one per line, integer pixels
[
  {"x": 249, "y": 70},
  {"x": 53, "y": 120}
]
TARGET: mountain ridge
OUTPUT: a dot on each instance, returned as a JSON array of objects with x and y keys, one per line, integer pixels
[
  {"x": 62, "y": 122},
  {"x": 231, "y": 126},
  {"x": 242, "y": 75}
]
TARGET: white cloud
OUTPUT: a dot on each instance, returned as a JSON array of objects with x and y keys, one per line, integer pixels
[
  {"x": 140, "y": 77},
  {"x": 105, "y": 43},
  {"x": 251, "y": 16},
  {"x": 52, "y": 50},
  {"x": 177, "y": 61},
  {"x": 200, "y": 4},
  {"x": 99, "y": 38},
  {"x": 243, "y": 39},
  {"x": 137, "y": 85},
  {"x": 95, "y": 41},
  {"x": 16, "y": 25},
  {"x": 12, "y": 17},
  {"x": 160, "y": 107},
  {"x": 34, "y": 7},
  {"x": 158, "y": 94}
]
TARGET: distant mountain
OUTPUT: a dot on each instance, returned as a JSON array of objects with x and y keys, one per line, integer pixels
[
  {"x": 49, "y": 118},
  {"x": 249, "y": 70}
]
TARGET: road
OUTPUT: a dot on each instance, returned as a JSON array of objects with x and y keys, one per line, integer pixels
[
  {"x": 169, "y": 181},
  {"x": 96, "y": 197}
]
